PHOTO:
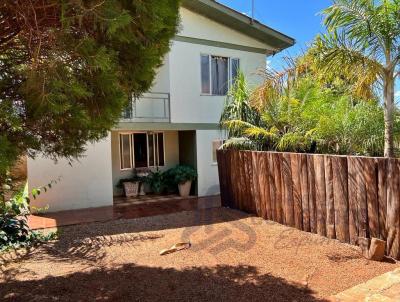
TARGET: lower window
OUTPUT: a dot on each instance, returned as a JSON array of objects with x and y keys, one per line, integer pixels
[
  {"x": 216, "y": 144},
  {"x": 141, "y": 150}
]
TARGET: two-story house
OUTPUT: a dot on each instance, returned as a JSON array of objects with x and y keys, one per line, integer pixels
[{"x": 176, "y": 122}]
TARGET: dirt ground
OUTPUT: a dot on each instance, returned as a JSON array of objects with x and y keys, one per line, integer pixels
[{"x": 233, "y": 257}]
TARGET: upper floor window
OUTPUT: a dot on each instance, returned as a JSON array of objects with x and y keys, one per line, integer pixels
[{"x": 217, "y": 74}]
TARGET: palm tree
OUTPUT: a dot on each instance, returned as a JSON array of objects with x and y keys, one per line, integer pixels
[{"x": 363, "y": 39}]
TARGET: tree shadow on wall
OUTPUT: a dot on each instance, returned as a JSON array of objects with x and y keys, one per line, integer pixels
[{"x": 141, "y": 283}]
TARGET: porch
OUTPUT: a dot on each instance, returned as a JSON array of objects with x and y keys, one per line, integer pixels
[{"x": 124, "y": 208}]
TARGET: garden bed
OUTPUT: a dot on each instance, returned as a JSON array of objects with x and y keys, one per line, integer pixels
[{"x": 233, "y": 257}]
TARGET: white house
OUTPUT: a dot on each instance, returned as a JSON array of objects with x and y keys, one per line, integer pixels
[{"x": 176, "y": 122}]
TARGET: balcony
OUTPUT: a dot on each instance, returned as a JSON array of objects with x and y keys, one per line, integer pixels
[{"x": 150, "y": 107}]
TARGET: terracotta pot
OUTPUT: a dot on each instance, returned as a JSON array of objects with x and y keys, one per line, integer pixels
[{"x": 184, "y": 188}]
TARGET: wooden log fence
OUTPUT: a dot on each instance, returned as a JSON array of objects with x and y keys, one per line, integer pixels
[{"x": 340, "y": 197}]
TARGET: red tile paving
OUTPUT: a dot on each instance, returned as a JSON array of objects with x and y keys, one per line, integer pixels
[{"x": 124, "y": 208}]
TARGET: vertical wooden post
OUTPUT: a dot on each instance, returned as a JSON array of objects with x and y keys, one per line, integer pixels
[
  {"x": 371, "y": 180},
  {"x": 330, "y": 204},
  {"x": 256, "y": 183},
  {"x": 362, "y": 206},
  {"x": 304, "y": 192},
  {"x": 296, "y": 170},
  {"x": 270, "y": 202},
  {"x": 275, "y": 159},
  {"x": 287, "y": 188},
  {"x": 352, "y": 183},
  {"x": 320, "y": 195},
  {"x": 382, "y": 201},
  {"x": 340, "y": 195},
  {"x": 311, "y": 193},
  {"x": 393, "y": 209}
]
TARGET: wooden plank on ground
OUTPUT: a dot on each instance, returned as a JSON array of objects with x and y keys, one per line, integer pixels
[
  {"x": 393, "y": 209},
  {"x": 371, "y": 182},
  {"x": 311, "y": 193},
  {"x": 296, "y": 170},
  {"x": 340, "y": 195},
  {"x": 304, "y": 192},
  {"x": 330, "y": 204},
  {"x": 287, "y": 189},
  {"x": 382, "y": 201},
  {"x": 352, "y": 164},
  {"x": 320, "y": 194}
]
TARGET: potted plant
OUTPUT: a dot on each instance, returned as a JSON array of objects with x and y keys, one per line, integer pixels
[
  {"x": 184, "y": 176},
  {"x": 156, "y": 182},
  {"x": 169, "y": 182},
  {"x": 130, "y": 186},
  {"x": 142, "y": 175}
]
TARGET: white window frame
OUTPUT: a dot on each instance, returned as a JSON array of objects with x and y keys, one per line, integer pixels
[
  {"x": 155, "y": 149},
  {"x": 221, "y": 142},
  {"x": 121, "y": 160},
  {"x": 132, "y": 149},
  {"x": 210, "y": 75}
]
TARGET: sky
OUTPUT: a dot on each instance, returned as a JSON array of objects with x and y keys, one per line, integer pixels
[{"x": 299, "y": 19}]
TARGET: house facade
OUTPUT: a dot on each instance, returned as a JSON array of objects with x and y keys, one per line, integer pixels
[{"x": 176, "y": 122}]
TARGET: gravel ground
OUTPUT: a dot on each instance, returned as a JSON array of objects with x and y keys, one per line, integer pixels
[{"x": 233, "y": 257}]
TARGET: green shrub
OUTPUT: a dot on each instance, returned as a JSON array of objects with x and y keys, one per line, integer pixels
[
  {"x": 156, "y": 182},
  {"x": 14, "y": 229},
  {"x": 183, "y": 173}
]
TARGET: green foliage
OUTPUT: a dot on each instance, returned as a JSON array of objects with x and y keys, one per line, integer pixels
[
  {"x": 183, "y": 173},
  {"x": 363, "y": 43},
  {"x": 156, "y": 180},
  {"x": 65, "y": 80},
  {"x": 14, "y": 229},
  {"x": 313, "y": 118}
]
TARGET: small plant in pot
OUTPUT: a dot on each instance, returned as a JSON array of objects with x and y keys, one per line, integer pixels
[
  {"x": 156, "y": 182},
  {"x": 184, "y": 176},
  {"x": 130, "y": 185}
]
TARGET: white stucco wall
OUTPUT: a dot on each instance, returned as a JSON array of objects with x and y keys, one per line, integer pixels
[
  {"x": 198, "y": 26},
  {"x": 188, "y": 105},
  {"x": 85, "y": 184},
  {"x": 208, "y": 182}
]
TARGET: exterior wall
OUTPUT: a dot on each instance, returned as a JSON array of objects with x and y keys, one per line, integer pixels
[
  {"x": 85, "y": 184},
  {"x": 188, "y": 105},
  {"x": 171, "y": 156},
  {"x": 208, "y": 181},
  {"x": 198, "y": 26}
]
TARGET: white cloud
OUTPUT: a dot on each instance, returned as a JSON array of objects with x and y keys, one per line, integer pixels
[{"x": 397, "y": 94}]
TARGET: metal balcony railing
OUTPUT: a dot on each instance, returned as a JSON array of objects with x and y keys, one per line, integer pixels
[{"x": 150, "y": 107}]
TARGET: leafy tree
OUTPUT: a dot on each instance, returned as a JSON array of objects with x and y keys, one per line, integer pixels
[
  {"x": 364, "y": 41},
  {"x": 68, "y": 68},
  {"x": 300, "y": 113}
]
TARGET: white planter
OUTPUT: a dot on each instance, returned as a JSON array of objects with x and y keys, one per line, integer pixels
[
  {"x": 131, "y": 189},
  {"x": 184, "y": 188}
]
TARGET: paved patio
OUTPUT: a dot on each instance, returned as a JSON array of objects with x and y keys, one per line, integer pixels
[{"x": 126, "y": 208}]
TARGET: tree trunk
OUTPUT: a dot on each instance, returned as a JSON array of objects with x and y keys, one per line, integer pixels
[{"x": 388, "y": 92}]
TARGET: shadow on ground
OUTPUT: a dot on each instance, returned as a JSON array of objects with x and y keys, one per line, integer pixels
[
  {"x": 140, "y": 283},
  {"x": 85, "y": 243}
]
